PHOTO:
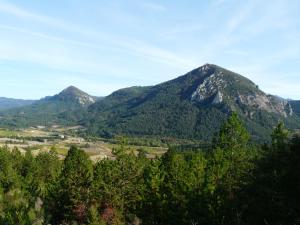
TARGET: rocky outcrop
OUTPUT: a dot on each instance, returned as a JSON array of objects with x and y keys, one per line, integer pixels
[
  {"x": 209, "y": 88},
  {"x": 265, "y": 102},
  {"x": 236, "y": 90},
  {"x": 218, "y": 98},
  {"x": 74, "y": 94}
]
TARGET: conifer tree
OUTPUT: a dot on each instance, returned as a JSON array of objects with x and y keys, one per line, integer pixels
[{"x": 72, "y": 193}]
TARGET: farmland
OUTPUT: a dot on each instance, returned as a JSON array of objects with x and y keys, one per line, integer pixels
[{"x": 60, "y": 139}]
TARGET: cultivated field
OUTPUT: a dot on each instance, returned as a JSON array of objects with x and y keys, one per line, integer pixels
[{"x": 59, "y": 139}]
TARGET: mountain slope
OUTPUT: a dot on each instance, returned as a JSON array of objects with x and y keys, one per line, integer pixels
[
  {"x": 8, "y": 103},
  {"x": 191, "y": 106},
  {"x": 296, "y": 106},
  {"x": 65, "y": 108}
]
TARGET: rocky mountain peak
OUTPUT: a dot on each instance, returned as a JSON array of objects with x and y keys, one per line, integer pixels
[
  {"x": 223, "y": 86},
  {"x": 74, "y": 94},
  {"x": 211, "y": 86}
]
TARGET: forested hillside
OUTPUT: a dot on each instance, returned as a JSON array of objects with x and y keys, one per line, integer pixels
[
  {"x": 66, "y": 108},
  {"x": 296, "y": 107},
  {"x": 191, "y": 106},
  {"x": 232, "y": 184}
]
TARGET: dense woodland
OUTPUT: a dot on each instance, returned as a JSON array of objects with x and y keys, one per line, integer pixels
[{"x": 234, "y": 183}]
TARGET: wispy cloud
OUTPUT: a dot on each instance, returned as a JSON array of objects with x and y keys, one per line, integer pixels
[
  {"x": 218, "y": 2},
  {"x": 132, "y": 46},
  {"x": 182, "y": 29},
  {"x": 21, "y": 13},
  {"x": 153, "y": 6},
  {"x": 253, "y": 37},
  {"x": 239, "y": 17},
  {"x": 237, "y": 52},
  {"x": 159, "y": 55},
  {"x": 45, "y": 36}
]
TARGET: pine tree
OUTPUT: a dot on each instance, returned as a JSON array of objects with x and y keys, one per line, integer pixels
[
  {"x": 279, "y": 137},
  {"x": 230, "y": 165},
  {"x": 72, "y": 193},
  {"x": 233, "y": 134}
]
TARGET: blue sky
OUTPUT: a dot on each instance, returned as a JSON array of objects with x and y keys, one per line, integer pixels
[{"x": 103, "y": 45}]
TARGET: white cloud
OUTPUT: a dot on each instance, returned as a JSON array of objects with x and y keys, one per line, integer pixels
[
  {"x": 240, "y": 16},
  {"x": 21, "y": 13},
  {"x": 153, "y": 6},
  {"x": 131, "y": 46},
  {"x": 218, "y": 2},
  {"x": 45, "y": 36},
  {"x": 235, "y": 36},
  {"x": 237, "y": 52},
  {"x": 56, "y": 56}
]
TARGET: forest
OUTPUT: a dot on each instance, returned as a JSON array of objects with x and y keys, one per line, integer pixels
[{"x": 235, "y": 182}]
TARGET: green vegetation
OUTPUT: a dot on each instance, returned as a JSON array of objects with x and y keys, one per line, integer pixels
[
  {"x": 167, "y": 110},
  {"x": 296, "y": 106},
  {"x": 232, "y": 183},
  {"x": 164, "y": 111},
  {"x": 65, "y": 108}
]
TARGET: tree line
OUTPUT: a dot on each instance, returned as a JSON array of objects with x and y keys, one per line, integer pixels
[{"x": 235, "y": 183}]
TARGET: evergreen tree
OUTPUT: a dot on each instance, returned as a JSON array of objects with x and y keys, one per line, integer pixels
[
  {"x": 72, "y": 193},
  {"x": 230, "y": 164},
  {"x": 279, "y": 137},
  {"x": 233, "y": 134}
]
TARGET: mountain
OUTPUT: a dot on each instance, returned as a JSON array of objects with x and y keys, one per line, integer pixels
[
  {"x": 74, "y": 95},
  {"x": 8, "y": 103},
  {"x": 67, "y": 108},
  {"x": 191, "y": 106}
]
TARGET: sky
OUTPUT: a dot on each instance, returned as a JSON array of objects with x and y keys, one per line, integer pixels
[{"x": 104, "y": 45}]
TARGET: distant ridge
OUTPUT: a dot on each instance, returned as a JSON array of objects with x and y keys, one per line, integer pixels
[
  {"x": 8, "y": 103},
  {"x": 66, "y": 108}
]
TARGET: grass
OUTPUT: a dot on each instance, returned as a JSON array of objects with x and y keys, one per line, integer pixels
[
  {"x": 135, "y": 148},
  {"x": 62, "y": 151},
  {"x": 10, "y": 133}
]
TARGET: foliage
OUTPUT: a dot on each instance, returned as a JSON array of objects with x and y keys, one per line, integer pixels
[{"x": 234, "y": 183}]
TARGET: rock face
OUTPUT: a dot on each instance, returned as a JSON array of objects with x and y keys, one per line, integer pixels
[
  {"x": 218, "y": 98},
  {"x": 210, "y": 87},
  {"x": 268, "y": 103},
  {"x": 222, "y": 86}
]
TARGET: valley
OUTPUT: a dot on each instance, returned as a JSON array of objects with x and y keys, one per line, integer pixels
[{"x": 59, "y": 140}]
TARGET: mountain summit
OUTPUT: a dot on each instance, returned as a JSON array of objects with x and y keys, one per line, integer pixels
[
  {"x": 65, "y": 108},
  {"x": 73, "y": 94},
  {"x": 223, "y": 86}
]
